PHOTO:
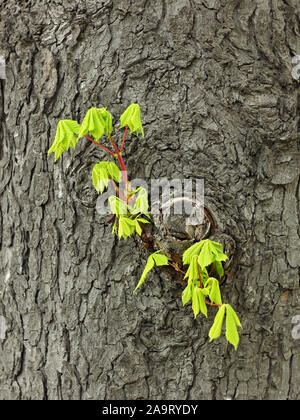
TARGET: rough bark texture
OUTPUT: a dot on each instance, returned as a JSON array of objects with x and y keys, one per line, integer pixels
[{"x": 214, "y": 81}]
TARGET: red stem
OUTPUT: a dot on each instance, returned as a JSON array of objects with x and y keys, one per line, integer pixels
[
  {"x": 211, "y": 304},
  {"x": 124, "y": 137},
  {"x": 120, "y": 159},
  {"x": 176, "y": 268},
  {"x": 122, "y": 165},
  {"x": 100, "y": 145}
]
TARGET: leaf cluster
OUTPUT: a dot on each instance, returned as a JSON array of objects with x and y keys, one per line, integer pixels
[
  {"x": 97, "y": 123},
  {"x": 130, "y": 217},
  {"x": 204, "y": 259}
]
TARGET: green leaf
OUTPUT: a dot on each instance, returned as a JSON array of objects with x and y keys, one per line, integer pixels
[
  {"x": 234, "y": 315},
  {"x": 118, "y": 206},
  {"x": 191, "y": 251},
  {"x": 137, "y": 224},
  {"x": 216, "y": 246},
  {"x": 203, "y": 307},
  {"x": 221, "y": 257},
  {"x": 217, "y": 250},
  {"x": 149, "y": 265},
  {"x": 102, "y": 173},
  {"x": 187, "y": 293},
  {"x": 65, "y": 137},
  {"x": 160, "y": 259},
  {"x": 232, "y": 322},
  {"x": 219, "y": 268},
  {"x": 113, "y": 171},
  {"x": 192, "y": 272},
  {"x": 126, "y": 227},
  {"x": 97, "y": 122},
  {"x": 141, "y": 204},
  {"x": 195, "y": 304},
  {"x": 154, "y": 259},
  {"x": 206, "y": 256},
  {"x": 199, "y": 304},
  {"x": 132, "y": 118},
  {"x": 138, "y": 227},
  {"x": 214, "y": 294},
  {"x": 216, "y": 328},
  {"x": 210, "y": 251}
]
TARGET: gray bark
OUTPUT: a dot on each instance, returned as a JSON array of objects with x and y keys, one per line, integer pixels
[{"x": 214, "y": 81}]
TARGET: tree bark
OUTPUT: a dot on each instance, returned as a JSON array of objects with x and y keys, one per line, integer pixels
[{"x": 214, "y": 82}]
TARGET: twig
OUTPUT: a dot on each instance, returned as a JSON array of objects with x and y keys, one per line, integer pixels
[{"x": 100, "y": 145}]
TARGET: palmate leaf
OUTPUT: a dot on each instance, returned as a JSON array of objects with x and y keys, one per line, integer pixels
[
  {"x": 217, "y": 249},
  {"x": 97, "y": 122},
  {"x": 132, "y": 117},
  {"x": 154, "y": 259},
  {"x": 195, "y": 301},
  {"x": 187, "y": 293},
  {"x": 127, "y": 224},
  {"x": 126, "y": 227},
  {"x": 191, "y": 251},
  {"x": 65, "y": 137},
  {"x": 102, "y": 173},
  {"x": 211, "y": 251},
  {"x": 141, "y": 204},
  {"x": 206, "y": 256},
  {"x": 232, "y": 322},
  {"x": 216, "y": 328},
  {"x": 198, "y": 298},
  {"x": 159, "y": 259},
  {"x": 192, "y": 272},
  {"x": 207, "y": 251},
  {"x": 214, "y": 291}
]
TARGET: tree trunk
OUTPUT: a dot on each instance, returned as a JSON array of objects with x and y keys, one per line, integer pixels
[{"x": 214, "y": 79}]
